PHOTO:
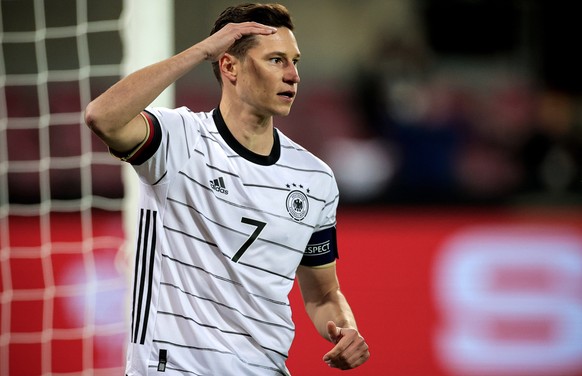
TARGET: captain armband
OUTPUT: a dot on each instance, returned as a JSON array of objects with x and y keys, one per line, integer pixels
[{"x": 321, "y": 249}]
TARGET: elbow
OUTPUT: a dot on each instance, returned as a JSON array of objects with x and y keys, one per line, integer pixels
[
  {"x": 91, "y": 117},
  {"x": 94, "y": 120}
]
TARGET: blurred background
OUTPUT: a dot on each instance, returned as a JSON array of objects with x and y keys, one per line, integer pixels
[
  {"x": 443, "y": 101},
  {"x": 454, "y": 128}
]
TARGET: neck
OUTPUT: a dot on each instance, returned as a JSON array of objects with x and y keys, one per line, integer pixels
[{"x": 251, "y": 130}]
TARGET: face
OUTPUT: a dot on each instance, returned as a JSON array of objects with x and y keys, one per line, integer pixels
[{"x": 267, "y": 77}]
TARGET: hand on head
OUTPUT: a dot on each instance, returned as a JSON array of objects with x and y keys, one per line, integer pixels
[{"x": 218, "y": 43}]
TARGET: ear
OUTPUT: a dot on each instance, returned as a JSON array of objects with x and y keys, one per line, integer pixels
[{"x": 228, "y": 67}]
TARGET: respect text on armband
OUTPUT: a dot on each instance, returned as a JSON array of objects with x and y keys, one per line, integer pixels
[{"x": 317, "y": 249}]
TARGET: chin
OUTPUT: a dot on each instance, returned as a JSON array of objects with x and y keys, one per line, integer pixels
[{"x": 282, "y": 112}]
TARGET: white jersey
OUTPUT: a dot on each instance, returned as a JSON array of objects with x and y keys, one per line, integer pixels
[{"x": 221, "y": 233}]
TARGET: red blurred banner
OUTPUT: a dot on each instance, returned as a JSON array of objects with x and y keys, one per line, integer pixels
[{"x": 464, "y": 292}]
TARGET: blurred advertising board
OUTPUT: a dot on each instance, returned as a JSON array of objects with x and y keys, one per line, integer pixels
[{"x": 458, "y": 293}]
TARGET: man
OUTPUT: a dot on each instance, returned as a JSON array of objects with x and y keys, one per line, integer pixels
[{"x": 231, "y": 210}]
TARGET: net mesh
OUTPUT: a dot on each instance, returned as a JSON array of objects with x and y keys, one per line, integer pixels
[{"x": 61, "y": 194}]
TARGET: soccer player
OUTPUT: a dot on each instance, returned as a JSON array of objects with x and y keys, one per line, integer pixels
[{"x": 231, "y": 210}]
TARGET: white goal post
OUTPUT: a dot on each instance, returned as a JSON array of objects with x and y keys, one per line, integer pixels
[{"x": 148, "y": 35}]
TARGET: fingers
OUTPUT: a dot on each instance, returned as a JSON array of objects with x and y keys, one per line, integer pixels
[
  {"x": 257, "y": 28},
  {"x": 239, "y": 30},
  {"x": 333, "y": 331},
  {"x": 220, "y": 42},
  {"x": 350, "y": 351}
]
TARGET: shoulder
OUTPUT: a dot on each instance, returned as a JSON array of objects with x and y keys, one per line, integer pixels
[
  {"x": 300, "y": 157},
  {"x": 170, "y": 131},
  {"x": 181, "y": 115}
]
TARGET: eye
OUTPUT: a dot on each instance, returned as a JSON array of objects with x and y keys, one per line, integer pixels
[{"x": 276, "y": 60}]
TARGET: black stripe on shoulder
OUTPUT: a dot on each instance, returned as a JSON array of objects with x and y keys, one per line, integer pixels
[{"x": 149, "y": 149}]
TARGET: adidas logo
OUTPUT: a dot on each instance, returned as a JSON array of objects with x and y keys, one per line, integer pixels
[{"x": 218, "y": 185}]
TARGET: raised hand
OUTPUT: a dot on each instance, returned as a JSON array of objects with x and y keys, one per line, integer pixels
[{"x": 218, "y": 43}]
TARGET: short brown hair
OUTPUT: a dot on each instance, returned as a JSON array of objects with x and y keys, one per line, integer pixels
[{"x": 275, "y": 15}]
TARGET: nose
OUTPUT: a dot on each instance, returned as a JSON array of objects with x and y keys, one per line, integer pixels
[{"x": 291, "y": 75}]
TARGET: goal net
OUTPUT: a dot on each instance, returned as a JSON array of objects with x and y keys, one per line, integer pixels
[{"x": 63, "y": 279}]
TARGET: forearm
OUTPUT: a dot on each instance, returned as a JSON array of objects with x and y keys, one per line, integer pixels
[
  {"x": 334, "y": 307},
  {"x": 332, "y": 316},
  {"x": 127, "y": 98}
]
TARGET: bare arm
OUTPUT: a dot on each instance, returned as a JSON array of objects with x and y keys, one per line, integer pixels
[
  {"x": 114, "y": 115},
  {"x": 332, "y": 316}
]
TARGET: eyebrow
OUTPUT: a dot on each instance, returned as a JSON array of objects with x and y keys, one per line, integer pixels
[{"x": 283, "y": 54}]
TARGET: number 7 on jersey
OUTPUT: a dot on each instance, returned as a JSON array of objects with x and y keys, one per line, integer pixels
[{"x": 259, "y": 227}]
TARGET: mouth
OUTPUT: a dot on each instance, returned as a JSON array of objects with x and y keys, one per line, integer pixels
[{"x": 287, "y": 94}]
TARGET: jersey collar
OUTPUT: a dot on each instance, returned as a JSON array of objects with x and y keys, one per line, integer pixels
[{"x": 265, "y": 160}]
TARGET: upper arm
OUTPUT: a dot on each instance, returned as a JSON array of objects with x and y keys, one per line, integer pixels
[
  {"x": 129, "y": 137},
  {"x": 121, "y": 139},
  {"x": 317, "y": 283}
]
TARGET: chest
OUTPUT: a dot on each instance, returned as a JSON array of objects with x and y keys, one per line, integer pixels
[{"x": 255, "y": 214}]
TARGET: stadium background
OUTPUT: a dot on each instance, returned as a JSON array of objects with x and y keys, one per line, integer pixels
[{"x": 454, "y": 129}]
